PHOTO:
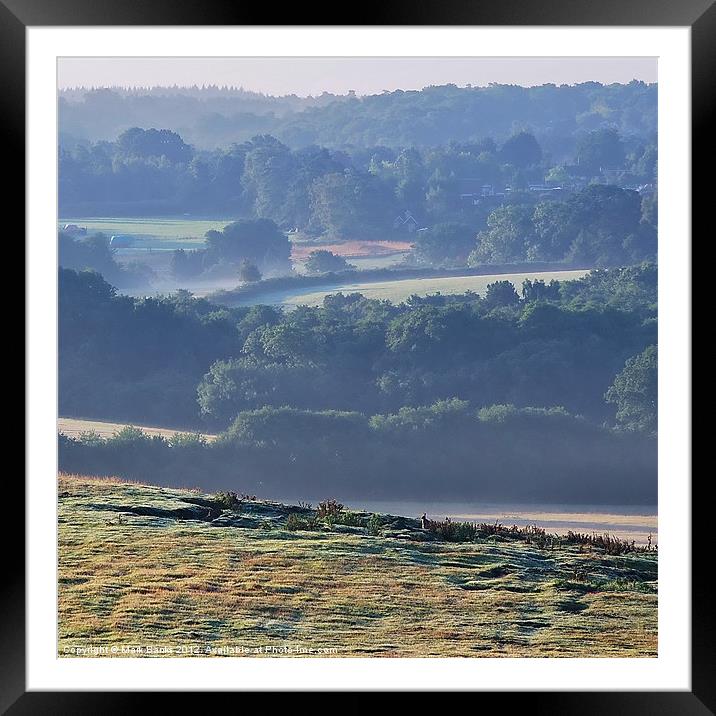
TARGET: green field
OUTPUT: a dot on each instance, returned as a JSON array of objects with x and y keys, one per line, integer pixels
[
  {"x": 401, "y": 289},
  {"x": 162, "y": 572},
  {"x": 158, "y": 233}
]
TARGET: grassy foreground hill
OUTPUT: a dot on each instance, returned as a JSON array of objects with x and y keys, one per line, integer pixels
[{"x": 151, "y": 571}]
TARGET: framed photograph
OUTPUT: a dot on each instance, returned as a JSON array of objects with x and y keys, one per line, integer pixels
[{"x": 358, "y": 357}]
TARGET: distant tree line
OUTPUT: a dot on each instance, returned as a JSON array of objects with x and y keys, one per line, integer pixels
[
  {"x": 213, "y": 116},
  {"x": 335, "y": 270}
]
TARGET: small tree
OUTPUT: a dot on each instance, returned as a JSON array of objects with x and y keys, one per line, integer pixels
[
  {"x": 635, "y": 392},
  {"x": 322, "y": 261},
  {"x": 258, "y": 240},
  {"x": 557, "y": 175},
  {"x": 501, "y": 293},
  {"x": 445, "y": 243},
  {"x": 600, "y": 149},
  {"x": 248, "y": 271},
  {"x": 521, "y": 150}
]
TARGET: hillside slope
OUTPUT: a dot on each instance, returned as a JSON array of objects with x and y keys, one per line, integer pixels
[{"x": 152, "y": 571}]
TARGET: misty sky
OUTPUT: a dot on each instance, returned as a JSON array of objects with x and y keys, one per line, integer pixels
[{"x": 365, "y": 75}]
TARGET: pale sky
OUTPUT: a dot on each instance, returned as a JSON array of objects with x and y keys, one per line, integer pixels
[{"x": 365, "y": 75}]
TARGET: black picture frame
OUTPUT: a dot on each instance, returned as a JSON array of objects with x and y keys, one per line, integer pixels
[{"x": 699, "y": 15}]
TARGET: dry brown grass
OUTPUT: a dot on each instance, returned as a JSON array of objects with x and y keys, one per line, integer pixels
[
  {"x": 74, "y": 427},
  {"x": 97, "y": 479}
]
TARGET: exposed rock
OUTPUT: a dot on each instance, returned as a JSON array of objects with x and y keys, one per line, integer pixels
[
  {"x": 246, "y": 522},
  {"x": 415, "y": 535},
  {"x": 180, "y": 513},
  {"x": 348, "y": 529},
  {"x": 400, "y": 523}
]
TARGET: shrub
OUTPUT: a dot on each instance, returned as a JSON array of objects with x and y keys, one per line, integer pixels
[
  {"x": 90, "y": 438},
  {"x": 228, "y": 501},
  {"x": 188, "y": 440},
  {"x": 374, "y": 524},
  {"x": 322, "y": 261},
  {"x": 453, "y": 531},
  {"x": 329, "y": 508},
  {"x": 248, "y": 271},
  {"x": 350, "y": 519},
  {"x": 295, "y": 522},
  {"x": 607, "y": 543}
]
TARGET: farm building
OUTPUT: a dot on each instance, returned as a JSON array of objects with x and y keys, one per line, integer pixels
[{"x": 407, "y": 221}]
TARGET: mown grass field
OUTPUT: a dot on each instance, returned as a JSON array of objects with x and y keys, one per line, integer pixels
[
  {"x": 401, "y": 289},
  {"x": 158, "y": 572},
  {"x": 74, "y": 427},
  {"x": 158, "y": 232}
]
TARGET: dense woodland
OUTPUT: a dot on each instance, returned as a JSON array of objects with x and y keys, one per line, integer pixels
[
  {"x": 325, "y": 193},
  {"x": 179, "y": 360},
  {"x": 355, "y": 370}
]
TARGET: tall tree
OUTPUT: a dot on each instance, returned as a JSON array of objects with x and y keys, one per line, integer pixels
[
  {"x": 510, "y": 234},
  {"x": 521, "y": 150},
  {"x": 269, "y": 168},
  {"x": 445, "y": 243},
  {"x": 635, "y": 392},
  {"x": 601, "y": 149},
  {"x": 259, "y": 241}
]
